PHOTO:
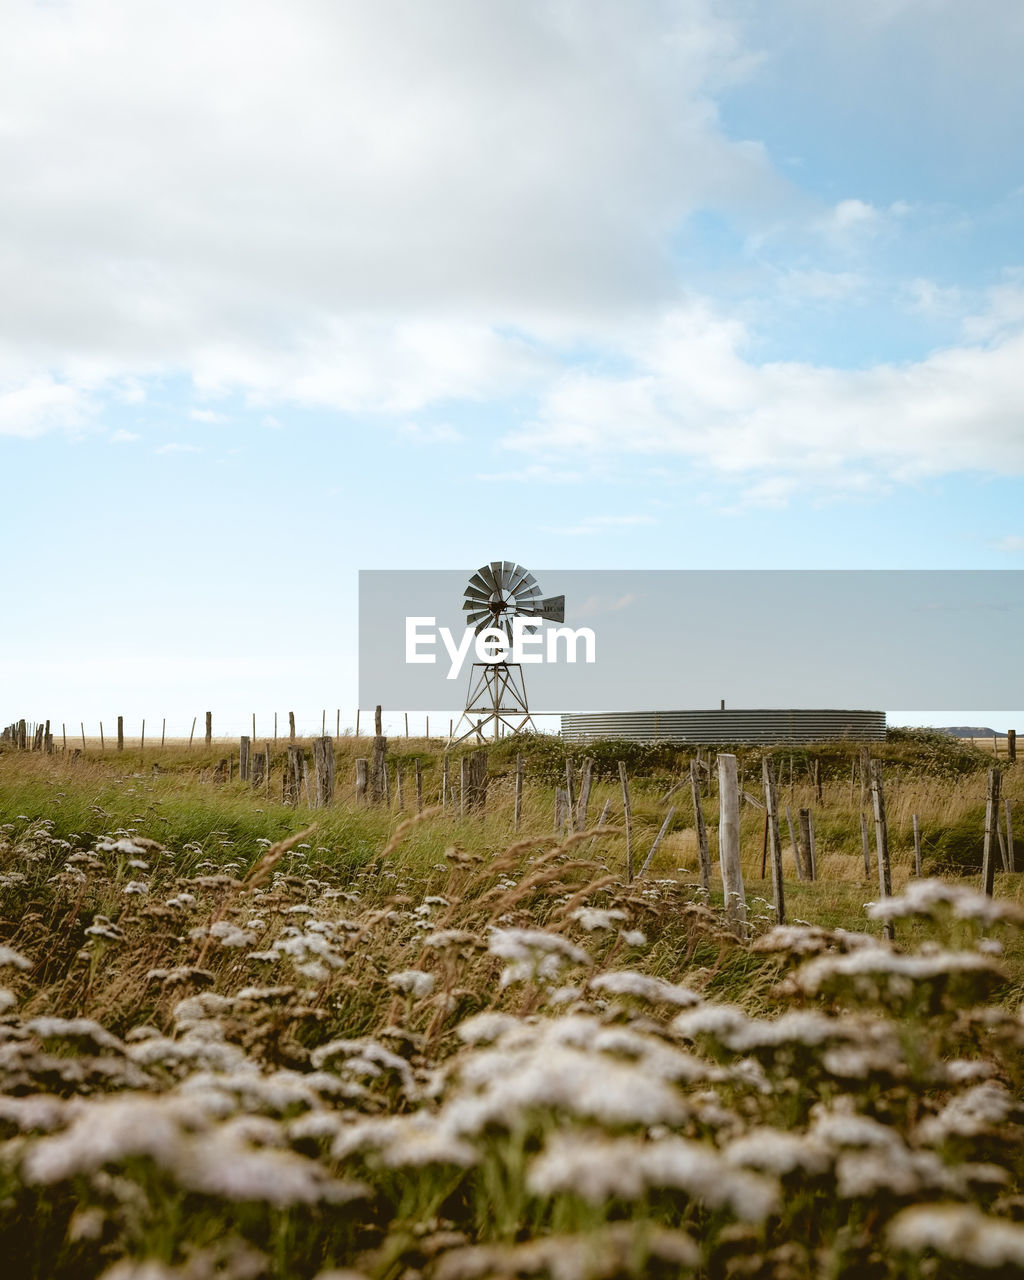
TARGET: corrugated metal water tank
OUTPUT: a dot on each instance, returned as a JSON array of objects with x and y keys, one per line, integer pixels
[{"x": 707, "y": 727}]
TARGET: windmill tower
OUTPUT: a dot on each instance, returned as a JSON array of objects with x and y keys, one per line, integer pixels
[{"x": 496, "y": 701}]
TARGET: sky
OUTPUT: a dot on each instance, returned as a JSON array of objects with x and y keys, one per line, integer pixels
[{"x": 290, "y": 291}]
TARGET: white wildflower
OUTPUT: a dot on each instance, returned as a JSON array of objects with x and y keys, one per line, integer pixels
[
  {"x": 7, "y": 999},
  {"x": 412, "y": 982},
  {"x": 625, "y": 982},
  {"x": 922, "y": 897},
  {"x": 230, "y": 935},
  {"x": 592, "y": 918},
  {"x": 444, "y": 938},
  {"x": 780, "y": 1152},
  {"x": 136, "y": 886},
  {"x": 482, "y": 1028},
  {"x": 531, "y": 945},
  {"x": 598, "y": 1168},
  {"x": 11, "y": 959},
  {"x": 405, "y": 1141},
  {"x": 960, "y": 1232},
  {"x": 970, "y": 1114},
  {"x": 634, "y": 937}
]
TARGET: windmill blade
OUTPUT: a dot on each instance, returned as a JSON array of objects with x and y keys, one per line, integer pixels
[
  {"x": 486, "y": 574},
  {"x": 482, "y": 615},
  {"x": 523, "y": 580},
  {"x": 478, "y": 582},
  {"x": 475, "y": 596},
  {"x": 553, "y": 609},
  {"x": 495, "y": 568}
]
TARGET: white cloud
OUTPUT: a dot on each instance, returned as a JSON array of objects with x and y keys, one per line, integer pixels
[
  {"x": 1013, "y": 542},
  {"x": 692, "y": 392},
  {"x": 353, "y": 205}
]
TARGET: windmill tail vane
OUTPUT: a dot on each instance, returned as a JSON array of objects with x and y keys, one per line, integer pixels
[{"x": 495, "y": 596}]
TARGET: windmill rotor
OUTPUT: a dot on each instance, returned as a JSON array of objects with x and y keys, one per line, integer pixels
[{"x": 502, "y": 591}]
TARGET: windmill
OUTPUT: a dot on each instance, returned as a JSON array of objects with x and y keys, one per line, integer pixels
[{"x": 495, "y": 596}]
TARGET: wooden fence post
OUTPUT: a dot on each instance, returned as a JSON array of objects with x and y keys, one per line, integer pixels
[
  {"x": 628, "y": 812},
  {"x": 657, "y": 840},
  {"x": 797, "y": 861},
  {"x": 209, "y": 728},
  {"x": 988, "y": 865},
  {"x": 702, "y": 831},
  {"x": 774, "y": 847},
  {"x": 729, "y": 840},
  {"x": 817, "y": 779},
  {"x": 399, "y": 789},
  {"x": 362, "y": 779},
  {"x": 120, "y": 733},
  {"x": 865, "y": 844},
  {"x": 570, "y": 791},
  {"x": 806, "y": 856},
  {"x": 463, "y": 786},
  {"x": 243, "y": 758},
  {"x": 917, "y": 844},
  {"x": 865, "y": 775},
  {"x": 517, "y": 807},
  {"x": 478, "y": 781},
  {"x": 377, "y": 723},
  {"x": 323, "y": 770},
  {"x": 192, "y": 731},
  {"x": 82, "y": 725},
  {"x": 1011, "y": 745},
  {"x": 293, "y": 775},
  {"x": 102, "y": 745},
  {"x": 357, "y": 722},
  {"x": 163, "y": 732},
  {"x": 1009, "y": 836},
  {"x": 291, "y": 726},
  {"x": 584, "y": 800},
  {"x": 881, "y": 841},
  {"x": 257, "y": 769},
  {"x": 419, "y": 785},
  {"x": 446, "y": 782},
  {"x": 378, "y": 770}
]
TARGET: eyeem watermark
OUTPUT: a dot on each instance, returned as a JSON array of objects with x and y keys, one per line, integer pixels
[{"x": 529, "y": 645}]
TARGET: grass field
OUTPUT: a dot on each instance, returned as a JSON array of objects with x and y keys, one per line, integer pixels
[{"x": 245, "y": 1039}]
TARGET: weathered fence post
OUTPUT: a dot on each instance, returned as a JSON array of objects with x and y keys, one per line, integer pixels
[
  {"x": 729, "y": 840},
  {"x": 399, "y": 790},
  {"x": 806, "y": 847},
  {"x": 243, "y": 758},
  {"x": 120, "y": 733},
  {"x": 323, "y": 770},
  {"x": 192, "y": 731},
  {"x": 881, "y": 841},
  {"x": 163, "y": 732},
  {"x": 102, "y": 744},
  {"x": 82, "y": 726},
  {"x": 517, "y": 806},
  {"x": 817, "y": 779},
  {"x": 362, "y": 779},
  {"x": 657, "y": 840},
  {"x": 570, "y": 791},
  {"x": 377, "y": 722},
  {"x": 1011, "y": 745},
  {"x": 797, "y": 861},
  {"x": 917, "y": 844},
  {"x": 257, "y": 770},
  {"x": 446, "y": 782},
  {"x": 419, "y": 785},
  {"x": 702, "y": 832},
  {"x": 291, "y": 726},
  {"x": 478, "y": 781},
  {"x": 865, "y": 775},
  {"x": 988, "y": 866},
  {"x": 209, "y": 728},
  {"x": 1009, "y": 836},
  {"x": 463, "y": 786},
  {"x": 628, "y": 813},
  {"x": 865, "y": 844},
  {"x": 774, "y": 847},
  {"x": 584, "y": 800},
  {"x": 378, "y": 770},
  {"x": 293, "y": 775},
  {"x": 22, "y": 735}
]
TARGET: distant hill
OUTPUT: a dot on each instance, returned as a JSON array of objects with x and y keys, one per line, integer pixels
[{"x": 969, "y": 731}]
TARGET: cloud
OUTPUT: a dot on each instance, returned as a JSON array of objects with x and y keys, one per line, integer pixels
[
  {"x": 1013, "y": 542},
  {"x": 353, "y": 205},
  {"x": 693, "y": 392}
]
